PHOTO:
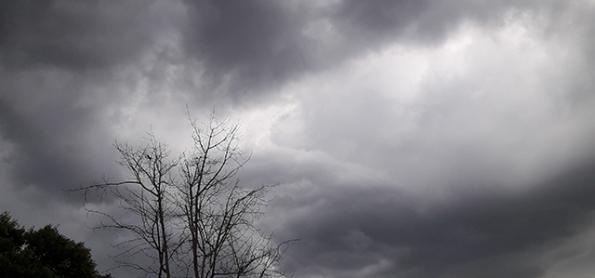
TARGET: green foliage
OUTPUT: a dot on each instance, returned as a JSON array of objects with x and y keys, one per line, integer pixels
[{"x": 42, "y": 253}]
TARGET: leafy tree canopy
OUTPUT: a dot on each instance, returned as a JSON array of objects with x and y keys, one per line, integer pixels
[{"x": 42, "y": 253}]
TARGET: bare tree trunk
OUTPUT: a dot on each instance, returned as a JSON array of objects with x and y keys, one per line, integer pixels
[{"x": 164, "y": 245}]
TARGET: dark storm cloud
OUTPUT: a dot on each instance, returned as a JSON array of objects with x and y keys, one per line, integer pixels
[
  {"x": 256, "y": 42},
  {"x": 75, "y": 35},
  {"x": 428, "y": 21},
  {"x": 58, "y": 140},
  {"x": 53, "y": 153},
  {"x": 61, "y": 68},
  {"x": 256, "y": 46},
  {"x": 350, "y": 228}
]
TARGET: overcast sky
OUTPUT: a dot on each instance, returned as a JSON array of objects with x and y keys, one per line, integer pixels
[{"x": 410, "y": 138}]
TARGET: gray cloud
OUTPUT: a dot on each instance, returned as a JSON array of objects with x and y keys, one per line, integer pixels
[
  {"x": 256, "y": 43},
  {"x": 75, "y": 35},
  {"x": 351, "y": 227},
  {"x": 65, "y": 66},
  {"x": 255, "y": 46},
  {"x": 488, "y": 169}
]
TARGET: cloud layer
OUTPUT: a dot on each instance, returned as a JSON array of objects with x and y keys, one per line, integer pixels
[{"x": 409, "y": 138}]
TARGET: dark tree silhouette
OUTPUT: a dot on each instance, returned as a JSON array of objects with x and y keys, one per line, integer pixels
[{"x": 43, "y": 253}]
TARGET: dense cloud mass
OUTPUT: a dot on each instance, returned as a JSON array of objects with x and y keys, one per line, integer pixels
[{"x": 408, "y": 138}]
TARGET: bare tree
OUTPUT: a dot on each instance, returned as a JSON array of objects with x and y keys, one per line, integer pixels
[
  {"x": 191, "y": 213},
  {"x": 146, "y": 196},
  {"x": 218, "y": 213}
]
